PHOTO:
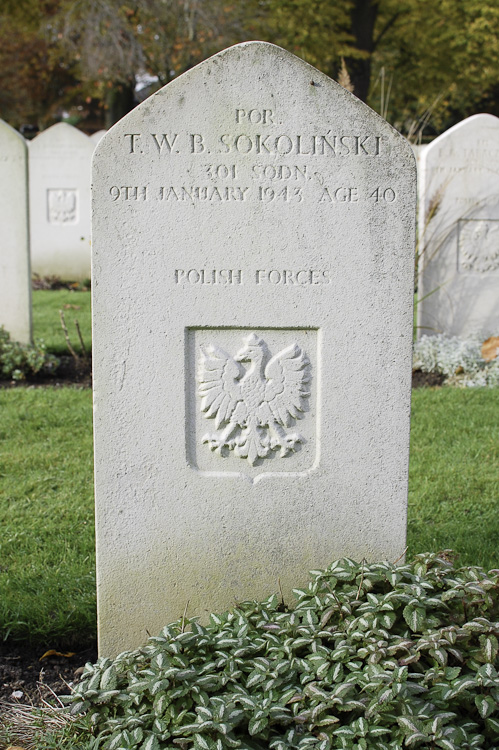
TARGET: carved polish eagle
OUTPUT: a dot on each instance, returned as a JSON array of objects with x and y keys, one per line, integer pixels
[{"x": 253, "y": 405}]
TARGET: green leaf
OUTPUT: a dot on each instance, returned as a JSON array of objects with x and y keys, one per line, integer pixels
[
  {"x": 361, "y": 726},
  {"x": 255, "y": 726},
  {"x": 378, "y": 731},
  {"x": 202, "y": 743},
  {"x": 387, "y": 619},
  {"x": 446, "y": 744},
  {"x": 440, "y": 655},
  {"x": 406, "y": 723},
  {"x": 486, "y": 705},
  {"x": 137, "y": 735},
  {"x": 254, "y": 678},
  {"x": 344, "y": 732},
  {"x": 488, "y": 671},
  {"x": 160, "y": 704},
  {"x": 94, "y": 682},
  {"x": 109, "y": 679},
  {"x": 489, "y": 646},
  {"x": 106, "y": 696},
  {"x": 415, "y": 617},
  {"x": 116, "y": 741},
  {"x": 159, "y": 686},
  {"x": 493, "y": 726},
  {"x": 414, "y": 737}
]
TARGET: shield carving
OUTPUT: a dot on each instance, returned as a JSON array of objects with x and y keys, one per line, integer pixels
[
  {"x": 479, "y": 245},
  {"x": 254, "y": 401},
  {"x": 62, "y": 206}
]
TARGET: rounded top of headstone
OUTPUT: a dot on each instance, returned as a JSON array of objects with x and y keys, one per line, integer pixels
[
  {"x": 95, "y": 137},
  {"x": 63, "y": 133},
  {"x": 479, "y": 124},
  {"x": 262, "y": 68},
  {"x": 7, "y": 131}
]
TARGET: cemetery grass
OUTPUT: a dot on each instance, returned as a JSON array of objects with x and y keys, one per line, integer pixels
[
  {"x": 47, "y": 565},
  {"x": 454, "y": 474},
  {"x": 47, "y": 578},
  {"x": 75, "y": 305}
]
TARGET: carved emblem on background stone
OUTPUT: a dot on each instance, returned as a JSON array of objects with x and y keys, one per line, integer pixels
[
  {"x": 479, "y": 245},
  {"x": 62, "y": 206},
  {"x": 252, "y": 405}
]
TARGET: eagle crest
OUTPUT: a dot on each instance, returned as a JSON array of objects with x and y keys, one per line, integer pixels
[{"x": 252, "y": 406}]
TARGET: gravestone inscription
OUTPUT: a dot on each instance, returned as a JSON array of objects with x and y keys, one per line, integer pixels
[
  {"x": 15, "y": 280},
  {"x": 459, "y": 230},
  {"x": 253, "y": 240},
  {"x": 60, "y": 167}
]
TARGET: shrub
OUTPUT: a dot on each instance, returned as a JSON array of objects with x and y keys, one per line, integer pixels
[
  {"x": 460, "y": 360},
  {"x": 18, "y": 361},
  {"x": 372, "y": 657}
]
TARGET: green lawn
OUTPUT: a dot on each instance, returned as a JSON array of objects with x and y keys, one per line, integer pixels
[
  {"x": 454, "y": 473},
  {"x": 47, "y": 561},
  {"x": 47, "y": 582},
  {"x": 47, "y": 321}
]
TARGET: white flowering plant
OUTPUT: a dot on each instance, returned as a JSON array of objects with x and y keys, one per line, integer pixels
[{"x": 459, "y": 360}]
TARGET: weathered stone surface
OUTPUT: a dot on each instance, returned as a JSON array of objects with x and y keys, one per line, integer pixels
[
  {"x": 15, "y": 280},
  {"x": 459, "y": 230},
  {"x": 60, "y": 168},
  {"x": 253, "y": 250}
]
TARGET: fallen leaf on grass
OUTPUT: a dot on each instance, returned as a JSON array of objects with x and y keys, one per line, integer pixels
[
  {"x": 72, "y": 307},
  {"x": 490, "y": 348},
  {"x": 53, "y": 652}
]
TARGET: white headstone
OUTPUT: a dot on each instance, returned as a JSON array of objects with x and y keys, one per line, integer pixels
[
  {"x": 459, "y": 230},
  {"x": 95, "y": 137},
  {"x": 253, "y": 251},
  {"x": 15, "y": 279},
  {"x": 59, "y": 176}
]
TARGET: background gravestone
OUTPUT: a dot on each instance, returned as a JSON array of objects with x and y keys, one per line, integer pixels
[
  {"x": 253, "y": 252},
  {"x": 59, "y": 163},
  {"x": 96, "y": 137},
  {"x": 15, "y": 280},
  {"x": 459, "y": 227}
]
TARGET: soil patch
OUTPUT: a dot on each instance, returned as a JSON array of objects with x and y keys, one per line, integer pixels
[
  {"x": 26, "y": 679},
  {"x": 426, "y": 379},
  {"x": 79, "y": 372},
  {"x": 70, "y": 371}
]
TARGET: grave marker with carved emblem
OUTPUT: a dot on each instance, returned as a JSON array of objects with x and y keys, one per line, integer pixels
[
  {"x": 59, "y": 162},
  {"x": 459, "y": 230},
  {"x": 15, "y": 278},
  {"x": 253, "y": 244}
]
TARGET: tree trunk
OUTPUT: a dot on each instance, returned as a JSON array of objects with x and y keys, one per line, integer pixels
[
  {"x": 363, "y": 15},
  {"x": 120, "y": 100}
]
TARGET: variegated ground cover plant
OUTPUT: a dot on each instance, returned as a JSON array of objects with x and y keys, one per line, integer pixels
[
  {"x": 459, "y": 360},
  {"x": 372, "y": 657},
  {"x": 17, "y": 361}
]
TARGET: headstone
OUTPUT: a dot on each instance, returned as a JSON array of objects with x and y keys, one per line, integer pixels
[
  {"x": 253, "y": 253},
  {"x": 418, "y": 149},
  {"x": 15, "y": 279},
  {"x": 458, "y": 284},
  {"x": 95, "y": 137},
  {"x": 60, "y": 168}
]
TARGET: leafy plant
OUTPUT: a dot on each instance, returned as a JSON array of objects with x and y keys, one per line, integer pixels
[
  {"x": 460, "y": 360},
  {"x": 372, "y": 657},
  {"x": 17, "y": 361},
  {"x": 55, "y": 282}
]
